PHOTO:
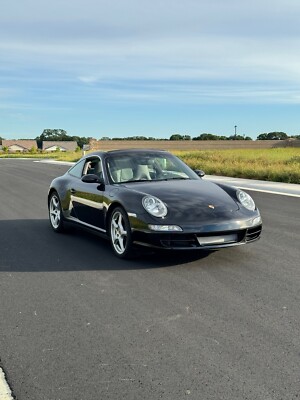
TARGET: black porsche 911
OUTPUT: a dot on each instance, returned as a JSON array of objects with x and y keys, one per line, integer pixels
[{"x": 151, "y": 198}]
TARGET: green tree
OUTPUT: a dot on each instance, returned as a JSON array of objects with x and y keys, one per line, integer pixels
[
  {"x": 236, "y": 137},
  {"x": 186, "y": 137},
  {"x": 53, "y": 135},
  {"x": 272, "y": 136},
  {"x": 81, "y": 140},
  {"x": 176, "y": 136},
  {"x": 136, "y": 138},
  {"x": 262, "y": 136},
  {"x": 277, "y": 136},
  {"x": 207, "y": 136},
  {"x": 60, "y": 135}
]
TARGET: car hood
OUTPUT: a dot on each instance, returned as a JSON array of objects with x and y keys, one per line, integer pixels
[{"x": 190, "y": 200}]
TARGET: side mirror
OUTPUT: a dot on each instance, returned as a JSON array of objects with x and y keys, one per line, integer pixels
[
  {"x": 91, "y": 178},
  {"x": 199, "y": 172}
]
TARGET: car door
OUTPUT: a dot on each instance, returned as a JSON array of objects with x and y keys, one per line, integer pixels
[{"x": 87, "y": 197}]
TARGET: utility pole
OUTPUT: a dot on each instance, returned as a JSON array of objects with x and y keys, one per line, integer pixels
[{"x": 235, "y": 130}]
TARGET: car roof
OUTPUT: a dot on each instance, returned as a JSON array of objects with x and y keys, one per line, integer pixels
[{"x": 125, "y": 151}]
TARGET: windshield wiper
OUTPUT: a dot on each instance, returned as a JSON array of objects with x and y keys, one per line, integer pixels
[
  {"x": 175, "y": 178},
  {"x": 136, "y": 180},
  {"x": 153, "y": 180}
]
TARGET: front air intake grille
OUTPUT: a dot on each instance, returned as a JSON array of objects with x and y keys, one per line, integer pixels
[
  {"x": 187, "y": 242},
  {"x": 253, "y": 233}
]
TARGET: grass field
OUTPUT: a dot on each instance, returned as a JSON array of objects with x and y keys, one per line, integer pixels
[{"x": 281, "y": 165}]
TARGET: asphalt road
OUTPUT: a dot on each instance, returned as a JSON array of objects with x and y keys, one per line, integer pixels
[{"x": 76, "y": 323}]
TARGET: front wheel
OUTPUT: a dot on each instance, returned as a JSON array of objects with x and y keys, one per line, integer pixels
[
  {"x": 55, "y": 213},
  {"x": 120, "y": 233}
]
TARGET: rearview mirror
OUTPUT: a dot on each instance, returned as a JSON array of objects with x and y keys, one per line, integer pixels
[
  {"x": 91, "y": 178},
  {"x": 199, "y": 172}
]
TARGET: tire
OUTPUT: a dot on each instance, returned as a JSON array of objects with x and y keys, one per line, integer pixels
[
  {"x": 55, "y": 213},
  {"x": 120, "y": 233}
]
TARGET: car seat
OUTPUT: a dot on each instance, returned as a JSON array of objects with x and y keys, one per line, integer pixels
[{"x": 141, "y": 172}]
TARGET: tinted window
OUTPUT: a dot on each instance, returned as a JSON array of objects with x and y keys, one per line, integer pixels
[{"x": 77, "y": 169}]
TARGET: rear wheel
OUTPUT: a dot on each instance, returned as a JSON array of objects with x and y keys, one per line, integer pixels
[
  {"x": 55, "y": 213},
  {"x": 120, "y": 233}
]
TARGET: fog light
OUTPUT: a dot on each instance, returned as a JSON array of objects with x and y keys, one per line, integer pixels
[
  {"x": 256, "y": 221},
  {"x": 165, "y": 228}
]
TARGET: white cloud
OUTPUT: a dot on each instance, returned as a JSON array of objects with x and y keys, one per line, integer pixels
[
  {"x": 88, "y": 79},
  {"x": 206, "y": 49},
  {"x": 211, "y": 59}
]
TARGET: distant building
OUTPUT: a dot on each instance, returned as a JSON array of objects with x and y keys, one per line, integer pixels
[
  {"x": 22, "y": 146},
  {"x": 59, "y": 146}
]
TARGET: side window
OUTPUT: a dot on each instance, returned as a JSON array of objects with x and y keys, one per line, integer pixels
[
  {"x": 93, "y": 166},
  {"x": 77, "y": 169}
]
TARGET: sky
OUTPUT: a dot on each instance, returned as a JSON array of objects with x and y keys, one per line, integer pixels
[{"x": 105, "y": 68}]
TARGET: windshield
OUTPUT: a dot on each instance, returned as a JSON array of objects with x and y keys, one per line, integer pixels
[{"x": 148, "y": 166}]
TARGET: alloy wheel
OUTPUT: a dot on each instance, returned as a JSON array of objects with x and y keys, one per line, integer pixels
[
  {"x": 55, "y": 213},
  {"x": 120, "y": 233}
]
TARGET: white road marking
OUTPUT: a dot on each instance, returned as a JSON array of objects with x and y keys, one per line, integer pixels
[
  {"x": 278, "y": 188},
  {"x": 270, "y": 191},
  {"x": 50, "y": 161},
  {"x": 5, "y": 392}
]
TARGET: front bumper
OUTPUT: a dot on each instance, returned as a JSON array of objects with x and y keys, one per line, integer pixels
[{"x": 197, "y": 240}]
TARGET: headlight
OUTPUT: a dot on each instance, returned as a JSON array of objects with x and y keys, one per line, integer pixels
[
  {"x": 245, "y": 200},
  {"x": 154, "y": 206}
]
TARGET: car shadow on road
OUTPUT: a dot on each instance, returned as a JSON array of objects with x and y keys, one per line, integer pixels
[{"x": 32, "y": 246}]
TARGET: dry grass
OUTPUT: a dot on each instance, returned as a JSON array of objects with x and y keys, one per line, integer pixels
[{"x": 281, "y": 165}]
